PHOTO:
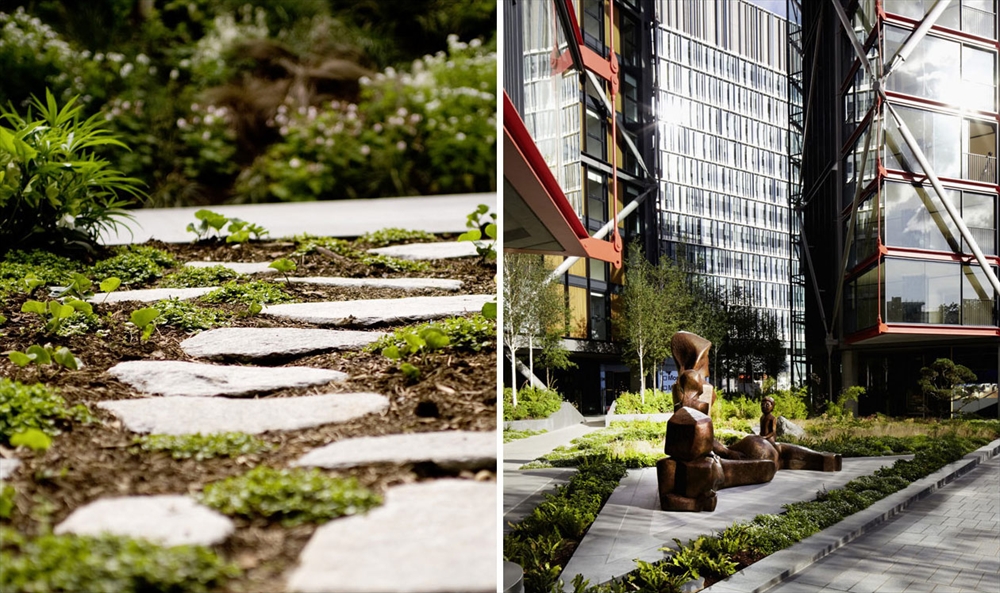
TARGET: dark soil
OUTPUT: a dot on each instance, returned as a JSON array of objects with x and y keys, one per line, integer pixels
[{"x": 456, "y": 390}]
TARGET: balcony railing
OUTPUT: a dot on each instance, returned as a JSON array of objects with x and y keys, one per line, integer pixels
[
  {"x": 978, "y": 22},
  {"x": 981, "y": 167}
]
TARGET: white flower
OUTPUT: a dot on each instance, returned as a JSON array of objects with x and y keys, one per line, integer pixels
[
  {"x": 206, "y": 135},
  {"x": 377, "y": 128},
  {"x": 295, "y": 163},
  {"x": 460, "y": 136},
  {"x": 401, "y": 146},
  {"x": 365, "y": 150},
  {"x": 182, "y": 123},
  {"x": 174, "y": 74}
]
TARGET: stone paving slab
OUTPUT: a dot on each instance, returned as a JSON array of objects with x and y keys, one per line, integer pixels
[
  {"x": 523, "y": 491},
  {"x": 454, "y": 449},
  {"x": 429, "y": 537},
  {"x": 269, "y": 342},
  {"x": 172, "y": 377},
  {"x": 8, "y": 467},
  {"x": 170, "y": 520},
  {"x": 238, "y": 267},
  {"x": 377, "y": 311},
  {"x": 401, "y": 283},
  {"x": 427, "y": 251},
  {"x": 149, "y": 295},
  {"x": 190, "y": 415}
]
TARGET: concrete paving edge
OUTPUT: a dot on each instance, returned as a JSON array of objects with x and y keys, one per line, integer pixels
[{"x": 778, "y": 567}]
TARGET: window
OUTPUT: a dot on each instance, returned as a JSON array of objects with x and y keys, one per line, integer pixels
[
  {"x": 593, "y": 25},
  {"x": 598, "y": 316},
  {"x": 922, "y": 292},
  {"x": 937, "y": 134},
  {"x": 597, "y": 196}
]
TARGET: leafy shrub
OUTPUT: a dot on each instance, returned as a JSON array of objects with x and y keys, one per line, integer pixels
[
  {"x": 134, "y": 265},
  {"x": 107, "y": 563},
  {"x": 532, "y": 403},
  {"x": 256, "y": 291},
  {"x": 55, "y": 187},
  {"x": 389, "y": 236},
  {"x": 199, "y": 447},
  {"x": 7, "y": 494},
  {"x": 839, "y": 408},
  {"x": 191, "y": 277},
  {"x": 464, "y": 333},
  {"x": 48, "y": 268},
  {"x": 637, "y": 443},
  {"x": 188, "y": 316},
  {"x": 790, "y": 404},
  {"x": 657, "y": 402},
  {"x": 728, "y": 407},
  {"x": 292, "y": 497},
  {"x": 24, "y": 407},
  {"x": 513, "y": 435}
]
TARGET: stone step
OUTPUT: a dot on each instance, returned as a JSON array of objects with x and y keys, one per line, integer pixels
[
  {"x": 190, "y": 415},
  {"x": 238, "y": 267},
  {"x": 150, "y": 295},
  {"x": 169, "y": 520},
  {"x": 426, "y": 251},
  {"x": 401, "y": 283},
  {"x": 429, "y": 537},
  {"x": 8, "y": 467},
  {"x": 377, "y": 311},
  {"x": 173, "y": 377},
  {"x": 455, "y": 449},
  {"x": 269, "y": 342}
]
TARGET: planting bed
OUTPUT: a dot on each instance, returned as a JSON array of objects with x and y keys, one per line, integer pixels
[{"x": 453, "y": 389}]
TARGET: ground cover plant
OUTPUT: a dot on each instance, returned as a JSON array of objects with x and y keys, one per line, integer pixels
[
  {"x": 199, "y": 446},
  {"x": 532, "y": 403},
  {"x": 514, "y": 435}
]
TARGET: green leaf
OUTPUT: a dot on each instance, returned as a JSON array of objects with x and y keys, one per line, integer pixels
[
  {"x": 416, "y": 343},
  {"x": 213, "y": 219},
  {"x": 33, "y": 307},
  {"x": 3, "y": 320},
  {"x": 110, "y": 284},
  {"x": 32, "y": 438},
  {"x": 491, "y": 230},
  {"x": 283, "y": 265},
  {"x": 434, "y": 338},
  {"x": 65, "y": 358},
  {"x": 82, "y": 306},
  {"x": 32, "y": 282},
  {"x": 409, "y": 371},
  {"x": 60, "y": 311},
  {"x": 148, "y": 332},
  {"x": 254, "y": 308},
  {"x": 490, "y": 310},
  {"x": 142, "y": 317},
  {"x": 238, "y": 237},
  {"x": 38, "y": 354},
  {"x": 19, "y": 358},
  {"x": 390, "y": 352},
  {"x": 473, "y": 235}
]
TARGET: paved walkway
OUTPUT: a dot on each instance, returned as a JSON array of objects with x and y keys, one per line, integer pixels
[{"x": 948, "y": 542}]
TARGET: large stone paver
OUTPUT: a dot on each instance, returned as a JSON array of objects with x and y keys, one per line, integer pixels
[
  {"x": 400, "y": 283},
  {"x": 190, "y": 415},
  {"x": 426, "y": 251},
  {"x": 376, "y": 311},
  {"x": 149, "y": 295},
  {"x": 172, "y": 377},
  {"x": 269, "y": 342},
  {"x": 430, "y": 537},
  {"x": 949, "y": 541},
  {"x": 7, "y": 467},
  {"x": 170, "y": 520},
  {"x": 238, "y": 267},
  {"x": 455, "y": 449}
]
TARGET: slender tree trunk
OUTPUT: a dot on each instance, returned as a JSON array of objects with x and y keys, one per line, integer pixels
[
  {"x": 531, "y": 361},
  {"x": 513, "y": 375},
  {"x": 642, "y": 377}
]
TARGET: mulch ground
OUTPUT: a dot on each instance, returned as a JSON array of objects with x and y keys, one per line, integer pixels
[{"x": 456, "y": 390}]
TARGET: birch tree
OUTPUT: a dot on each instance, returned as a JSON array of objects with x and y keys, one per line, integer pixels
[{"x": 530, "y": 306}]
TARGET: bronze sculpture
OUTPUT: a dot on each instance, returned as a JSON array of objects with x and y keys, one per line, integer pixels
[{"x": 699, "y": 465}]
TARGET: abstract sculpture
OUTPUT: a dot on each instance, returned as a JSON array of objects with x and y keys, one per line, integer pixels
[{"x": 699, "y": 465}]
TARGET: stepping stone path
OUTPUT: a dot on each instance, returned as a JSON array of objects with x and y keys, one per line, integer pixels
[
  {"x": 423, "y": 251},
  {"x": 401, "y": 283},
  {"x": 238, "y": 267},
  {"x": 149, "y": 295},
  {"x": 429, "y": 537},
  {"x": 378, "y": 311},
  {"x": 171, "y": 377},
  {"x": 7, "y": 467},
  {"x": 169, "y": 520},
  {"x": 455, "y": 449},
  {"x": 190, "y": 415},
  {"x": 268, "y": 342}
]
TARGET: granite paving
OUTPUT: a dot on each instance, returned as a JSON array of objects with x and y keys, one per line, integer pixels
[
  {"x": 172, "y": 377},
  {"x": 269, "y": 342},
  {"x": 401, "y": 283},
  {"x": 190, "y": 415},
  {"x": 453, "y": 449},
  {"x": 170, "y": 520},
  {"x": 429, "y": 537},
  {"x": 8, "y": 467},
  {"x": 427, "y": 251},
  {"x": 150, "y": 295},
  {"x": 380, "y": 311}
]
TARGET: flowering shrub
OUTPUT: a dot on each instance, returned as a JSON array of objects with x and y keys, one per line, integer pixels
[
  {"x": 432, "y": 130},
  {"x": 208, "y": 62}
]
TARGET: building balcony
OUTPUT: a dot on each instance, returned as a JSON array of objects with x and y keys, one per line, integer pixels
[{"x": 981, "y": 167}]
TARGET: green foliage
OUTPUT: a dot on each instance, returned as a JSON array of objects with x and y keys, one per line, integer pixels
[
  {"x": 46, "y": 355},
  {"x": 188, "y": 316},
  {"x": 390, "y": 236},
  {"x": 946, "y": 382},
  {"x": 283, "y": 265},
  {"x": 514, "y": 435},
  {"x": 256, "y": 291},
  {"x": 144, "y": 319},
  {"x": 791, "y": 403},
  {"x": 533, "y": 403},
  {"x": 634, "y": 443},
  {"x": 657, "y": 402},
  {"x": 110, "y": 285},
  {"x": 462, "y": 333},
  {"x": 107, "y": 563},
  {"x": 53, "y": 188},
  {"x": 37, "y": 267},
  {"x": 240, "y": 231},
  {"x": 292, "y": 496},
  {"x": 23, "y": 407},
  {"x": 701, "y": 557},
  {"x": 860, "y": 446},
  {"x": 33, "y": 439},
  {"x": 482, "y": 225},
  {"x": 7, "y": 494},
  {"x": 192, "y": 277},
  {"x": 728, "y": 407},
  {"x": 306, "y": 244},
  {"x": 199, "y": 447},
  {"x": 134, "y": 265}
]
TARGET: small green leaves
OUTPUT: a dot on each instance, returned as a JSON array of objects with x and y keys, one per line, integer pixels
[
  {"x": 34, "y": 307},
  {"x": 58, "y": 310},
  {"x": 3, "y": 320},
  {"x": 110, "y": 284},
  {"x": 38, "y": 354},
  {"x": 490, "y": 310},
  {"x": 283, "y": 265},
  {"x": 19, "y": 358},
  {"x": 240, "y": 231},
  {"x": 391, "y": 352},
  {"x": 33, "y": 439},
  {"x": 211, "y": 219},
  {"x": 31, "y": 282},
  {"x": 199, "y": 447},
  {"x": 45, "y": 355},
  {"x": 409, "y": 371},
  {"x": 480, "y": 225},
  {"x": 143, "y": 319},
  {"x": 65, "y": 359},
  {"x": 254, "y": 308},
  {"x": 81, "y": 306}
]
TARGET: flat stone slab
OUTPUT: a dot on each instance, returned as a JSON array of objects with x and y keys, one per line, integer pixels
[
  {"x": 172, "y": 377},
  {"x": 169, "y": 520},
  {"x": 416, "y": 251},
  {"x": 269, "y": 342},
  {"x": 454, "y": 449},
  {"x": 149, "y": 295},
  {"x": 401, "y": 283},
  {"x": 7, "y": 467},
  {"x": 430, "y": 537},
  {"x": 190, "y": 415},
  {"x": 238, "y": 267},
  {"x": 375, "y": 311}
]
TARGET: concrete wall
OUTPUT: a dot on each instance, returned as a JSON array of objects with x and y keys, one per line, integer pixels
[{"x": 566, "y": 416}]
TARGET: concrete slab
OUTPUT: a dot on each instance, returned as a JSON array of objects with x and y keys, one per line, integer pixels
[
  {"x": 525, "y": 490},
  {"x": 517, "y": 453},
  {"x": 8, "y": 466},
  {"x": 150, "y": 295},
  {"x": 334, "y": 218},
  {"x": 245, "y": 343},
  {"x": 190, "y": 415},
  {"x": 429, "y": 537},
  {"x": 238, "y": 267},
  {"x": 380, "y": 311},
  {"x": 169, "y": 520},
  {"x": 401, "y": 283},
  {"x": 453, "y": 449},
  {"x": 172, "y": 377},
  {"x": 428, "y": 251}
]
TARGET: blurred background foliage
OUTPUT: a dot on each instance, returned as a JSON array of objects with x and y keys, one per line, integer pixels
[{"x": 225, "y": 101}]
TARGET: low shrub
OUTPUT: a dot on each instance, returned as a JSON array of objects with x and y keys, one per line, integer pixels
[
  {"x": 514, "y": 435},
  {"x": 657, "y": 402},
  {"x": 134, "y": 265},
  {"x": 741, "y": 407},
  {"x": 23, "y": 407},
  {"x": 635, "y": 444},
  {"x": 191, "y": 277},
  {"x": 389, "y": 236},
  {"x": 464, "y": 333},
  {"x": 48, "y": 268},
  {"x": 532, "y": 403},
  {"x": 790, "y": 404},
  {"x": 7, "y": 494},
  {"x": 247, "y": 293},
  {"x": 199, "y": 447},
  {"x": 188, "y": 316}
]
